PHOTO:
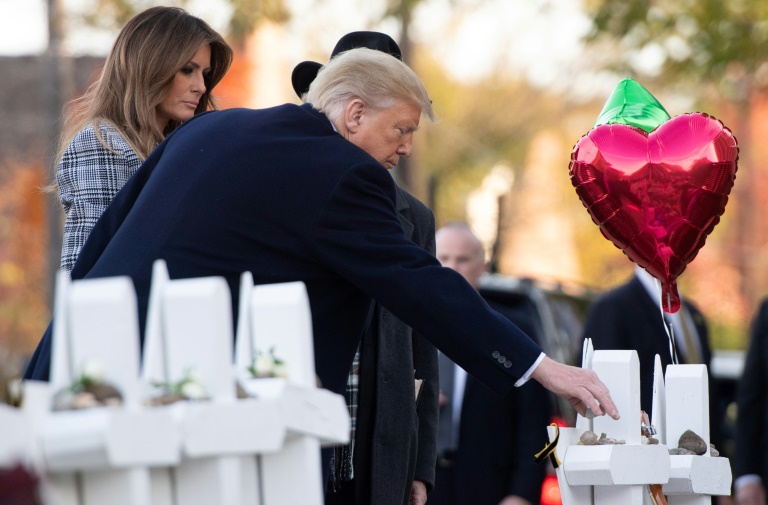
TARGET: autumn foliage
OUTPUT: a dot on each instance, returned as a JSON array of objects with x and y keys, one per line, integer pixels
[{"x": 23, "y": 245}]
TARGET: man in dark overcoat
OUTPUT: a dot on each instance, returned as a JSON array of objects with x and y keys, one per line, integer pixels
[
  {"x": 301, "y": 193},
  {"x": 390, "y": 460}
]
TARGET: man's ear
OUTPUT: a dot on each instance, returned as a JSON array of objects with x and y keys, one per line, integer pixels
[{"x": 353, "y": 112}]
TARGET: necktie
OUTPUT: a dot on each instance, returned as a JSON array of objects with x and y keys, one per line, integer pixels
[{"x": 692, "y": 355}]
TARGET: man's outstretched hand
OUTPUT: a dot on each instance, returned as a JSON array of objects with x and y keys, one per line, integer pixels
[{"x": 581, "y": 387}]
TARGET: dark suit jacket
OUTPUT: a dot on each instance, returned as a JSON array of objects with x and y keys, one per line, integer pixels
[
  {"x": 751, "y": 452},
  {"x": 498, "y": 436},
  {"x": 627, "y": 318},
  {"x": 279, "y": 193},
  {"x": 395, "y": 436}
]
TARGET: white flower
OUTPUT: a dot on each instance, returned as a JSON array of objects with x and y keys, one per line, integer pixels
[
  {"x": 94, "y": 371},
  {"x": 264, "y": 364},
  {"x": 267, "y": 364}
]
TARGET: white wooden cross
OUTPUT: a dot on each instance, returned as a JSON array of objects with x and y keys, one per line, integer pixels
[
  {"x": 276, "y": 319},
  {"x": 694, "y": 479},
  {"x": 592, "y": 475},
  {"x": 610, "y": 474},
  {"x": 225, "y": 450},
  {"x": 101, "y": 454},
  {"x": 189, "y": 330}
]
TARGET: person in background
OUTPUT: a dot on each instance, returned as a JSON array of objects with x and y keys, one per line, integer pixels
[
  {"x": 159, "y": 73},
  {"x": 750, "y": 461},
  {"x": 390, "y": 460},
  {"x": 486, "y": 442}
]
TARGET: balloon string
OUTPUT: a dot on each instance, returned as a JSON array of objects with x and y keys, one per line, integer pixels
[{"x": 667, "y": 323}]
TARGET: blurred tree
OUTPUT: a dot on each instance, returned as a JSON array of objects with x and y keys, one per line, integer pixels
[
  {"x": 479, "y": 126},
  {"x": 716, "y": 52},
  {"x": 56, "y": 90},
  {"x": 494, "y": 121},
  {"x": 112, "y": 14},
  {"x": 695, "y": 39},
  {"x": 23, "y": 311},
  {"x": 246, "y": 14}
]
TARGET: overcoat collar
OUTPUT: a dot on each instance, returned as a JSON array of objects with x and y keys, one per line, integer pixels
[
  {"x": 401, "y": 202},
  {"x": 319, "y": 115}
]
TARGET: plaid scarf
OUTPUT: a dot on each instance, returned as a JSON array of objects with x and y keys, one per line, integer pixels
[{"x": 341, "y": 461}]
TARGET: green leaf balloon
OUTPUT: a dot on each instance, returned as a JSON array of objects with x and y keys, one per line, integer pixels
[{"x": 632, "y": 104}]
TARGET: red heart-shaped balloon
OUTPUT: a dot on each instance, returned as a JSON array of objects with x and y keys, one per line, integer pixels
[{"x": 657, "y": 195}]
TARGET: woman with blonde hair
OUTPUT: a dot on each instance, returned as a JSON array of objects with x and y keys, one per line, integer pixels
[{"x": 159, "y": 73}]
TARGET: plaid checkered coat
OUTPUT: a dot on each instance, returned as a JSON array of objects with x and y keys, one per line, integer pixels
[{"x": 89, "y": 176}]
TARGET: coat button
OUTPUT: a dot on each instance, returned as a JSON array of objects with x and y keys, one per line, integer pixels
[
  {"x": 501, "y": 359},
  {"x": 496, "y": 354},
  {"x": 508, "y": 364}
]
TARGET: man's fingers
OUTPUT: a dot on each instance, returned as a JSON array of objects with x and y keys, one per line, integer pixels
[
  {"x": 581, "y": 407},
  {"x": 594, "y": 400},
  {"x": 580, "y": 386},
  {"x": 598, "y": 397},
  {"x": 604, "y": 401},
  {"x": 591, "y": 408}
]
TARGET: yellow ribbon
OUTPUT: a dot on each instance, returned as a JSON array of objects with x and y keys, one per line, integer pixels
[{"x": 549, "y": 449}]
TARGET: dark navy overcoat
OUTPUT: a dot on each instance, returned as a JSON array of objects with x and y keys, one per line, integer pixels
[{"x": 279, "y": 193}]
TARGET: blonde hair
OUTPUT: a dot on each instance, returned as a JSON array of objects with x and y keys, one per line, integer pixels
[
  {"x": 138, "y": 73},
  {"x": 377, "y": 78}
]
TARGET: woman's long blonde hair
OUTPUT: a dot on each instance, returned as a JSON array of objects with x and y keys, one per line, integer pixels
[{"x": 138, "y": 74}]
